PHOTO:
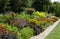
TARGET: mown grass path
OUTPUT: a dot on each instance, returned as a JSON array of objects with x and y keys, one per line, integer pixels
[{"x": 55, "y": 34}]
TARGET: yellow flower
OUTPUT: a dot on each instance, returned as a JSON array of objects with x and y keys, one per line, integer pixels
[
  {"x": 34, "y": 21},
  {"x": 41, "y": 14}
]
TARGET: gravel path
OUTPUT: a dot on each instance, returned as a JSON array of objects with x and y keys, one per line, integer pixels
[{"x": 46, "y": 31}]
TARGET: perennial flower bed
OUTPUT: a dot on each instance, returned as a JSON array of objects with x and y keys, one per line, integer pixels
[{"x": 24, "y": 26}]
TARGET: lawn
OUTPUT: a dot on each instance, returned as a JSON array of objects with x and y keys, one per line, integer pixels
[{"x": 55, "y": 34}]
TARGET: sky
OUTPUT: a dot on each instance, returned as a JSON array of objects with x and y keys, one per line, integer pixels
[{"x": 55, "y": 0}]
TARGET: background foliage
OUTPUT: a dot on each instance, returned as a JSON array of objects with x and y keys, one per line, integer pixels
[{"x": 20, "y": 5}]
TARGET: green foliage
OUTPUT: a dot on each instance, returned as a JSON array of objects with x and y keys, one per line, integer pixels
[
  {"x": 55, "y": 8},
  {"x": 5, "y": 18},
  {"x": 39, "y": 4},
  {"x": 9, "y": 27},
  {"x": 4, "y": 5},
  {"x": 26, "y": 33},
  {"x": 1, "y": 18},
  {"x": 14, "y": 5},
  {"x": 23, "y": 15},
  {"x": 12, "y": 29},
  {"x": 35, "y": 22},
  {"x": 58, "y": 11},
  {"x": 20, "y": 5},
  {"x": 39, "y": 15},
  {"x": 45, "y": 24}
]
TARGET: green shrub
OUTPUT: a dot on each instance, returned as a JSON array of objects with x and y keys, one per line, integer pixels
[
  {"x": 12, "y": 29},
  {"x": 5, "y": 17},
  {"x": 57, "y": 11},
  {"x": 39, "y": 15},
  {"x": 9, "y": 27},
  {"x": 23, "y": 16},
  {"x": 26, "y": 33}
]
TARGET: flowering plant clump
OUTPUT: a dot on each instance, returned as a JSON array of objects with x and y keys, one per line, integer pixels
[
  {"x": 54, "y": 18},
  {"x": 23, "y": 25},
  {"x": 26, "y": 33},
  {"x": 6, "y": 34},
  {"x": 34, "y": 21},
  {"x": 1, "y": 27},
  {"x": 41, "y": 14}
]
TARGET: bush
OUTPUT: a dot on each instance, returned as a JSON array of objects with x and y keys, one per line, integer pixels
[
  {"x": 26, "y": 33},
  {"x": 34, "y": 21},
  {"x": 39, "y": 15},
  {"x": 23, "y": 15},
  {"x": 9, "y": 27},
  {"x": 57, "y": 11},
  {"x": 5, "y": 18},
  {"x": 20, "y": 23},
  {"x": 6, "y": 34}
]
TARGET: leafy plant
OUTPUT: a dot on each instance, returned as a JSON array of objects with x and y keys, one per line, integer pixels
[
  {"x": 23, "y": 16},
  {"x": 26, "y": 33},
  {"x": 34, "y": 21},
  {"x": 5, "y": 34},
  {"x": 40, "y": 14},
  {"x": 9, "y": 27},
  {"x": 20, "y": 23},
  {"x": 5, "y": 18},
  {"x": 37, "y": 29},
  {"x": 54, "y": 18}
]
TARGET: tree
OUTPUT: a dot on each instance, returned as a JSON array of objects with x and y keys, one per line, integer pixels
[
  {"x": 57, "y": 8},
  {"x": 18, "y": 5},
  {"x": 3, "y": 5},
  {"x": 41, "y": 5}
]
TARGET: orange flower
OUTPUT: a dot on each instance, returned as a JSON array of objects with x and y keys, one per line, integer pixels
[{"x": 1, "y": 27}]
